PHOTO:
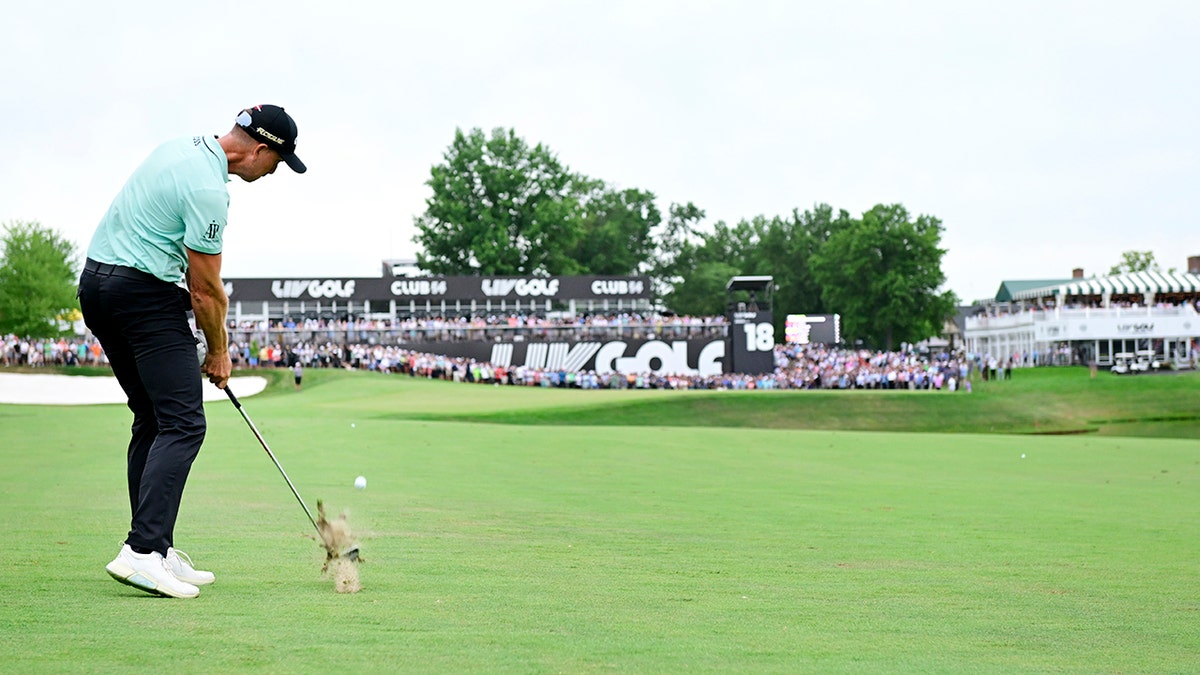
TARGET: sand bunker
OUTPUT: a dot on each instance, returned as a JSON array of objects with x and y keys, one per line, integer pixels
[{"x": 38, "y": 389}]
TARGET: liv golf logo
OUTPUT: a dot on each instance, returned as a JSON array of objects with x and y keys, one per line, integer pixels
[
  {"x": 681, "y": 357},
  {"x": 298, "y": 288},
  {"x": 523, "y": 287}
]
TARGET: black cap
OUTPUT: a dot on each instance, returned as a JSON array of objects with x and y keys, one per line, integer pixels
[{"x": 271, "y": 125}]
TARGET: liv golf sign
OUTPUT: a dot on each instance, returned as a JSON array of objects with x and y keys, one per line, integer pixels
[{"x": 678, "y": 357}]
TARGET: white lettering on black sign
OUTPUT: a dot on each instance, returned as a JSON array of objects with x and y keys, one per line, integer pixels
[
  {"x": 617, "y": 287},
  {"x": 329, "y": 288},
  {"x": 659, "y": 357},
  {"x": 522, "y": 287},
  {"x": 418, "y": 287}
]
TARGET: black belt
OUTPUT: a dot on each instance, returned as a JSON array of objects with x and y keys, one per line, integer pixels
[{"x": 107, "y": 270}]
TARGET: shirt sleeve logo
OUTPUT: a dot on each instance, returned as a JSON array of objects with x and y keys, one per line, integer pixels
[{"x": 213, "y": 228}]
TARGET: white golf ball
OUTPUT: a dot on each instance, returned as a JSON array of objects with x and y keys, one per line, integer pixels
[
  {"x": 1022, "y": 455},
  {"x": 352, "y": 425},
  {"x": 360, "y": 483}
]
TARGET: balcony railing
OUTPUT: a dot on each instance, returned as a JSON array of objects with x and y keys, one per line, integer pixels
[
  {"x": 411, "y": 335},
  {"x": 1030, "y": 316}
]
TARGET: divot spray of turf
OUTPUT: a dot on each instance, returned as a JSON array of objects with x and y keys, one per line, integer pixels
[{"x": 336, "y": 537}]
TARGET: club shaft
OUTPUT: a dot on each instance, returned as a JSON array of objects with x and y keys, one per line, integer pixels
[{"x": 237, "y": 404}]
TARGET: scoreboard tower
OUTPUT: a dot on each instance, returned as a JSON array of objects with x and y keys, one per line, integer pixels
[{"x": 750, "y": 340}]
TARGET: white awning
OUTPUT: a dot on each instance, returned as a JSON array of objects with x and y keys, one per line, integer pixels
[
  {"x": 1194, "y": 279},
  {"x": 1136, "y": 283},
  {"x": 1166, "y": 282},
  {"x": 1143, "y": 282}
]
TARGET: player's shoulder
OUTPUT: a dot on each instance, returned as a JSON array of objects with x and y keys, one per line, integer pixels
[
  {"x": 189, "y": 149},
  {"x": 195, "y": 160},
  {"x": 182, "y": 146}
]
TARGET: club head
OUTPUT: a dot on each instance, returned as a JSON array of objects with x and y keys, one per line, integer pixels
[{"x": 351, "y": 553}]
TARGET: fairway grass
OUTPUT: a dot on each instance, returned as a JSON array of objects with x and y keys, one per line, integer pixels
[{"x": 567, "y": 548}]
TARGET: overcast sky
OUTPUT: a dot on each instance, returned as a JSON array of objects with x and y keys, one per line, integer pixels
[{"x": 1045, "y": 135}]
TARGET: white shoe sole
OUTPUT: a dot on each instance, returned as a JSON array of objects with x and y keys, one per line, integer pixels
[{"x": 122, "y": 572}]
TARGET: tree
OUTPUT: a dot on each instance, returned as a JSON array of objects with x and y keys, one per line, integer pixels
[
  {"x": 499, "y": 207},
  {"x": 706, "y": 267},
  {"x": 614, "y": 229},
  {"x": 1135, "y": 261},
  {"x": 704, "y": 292},
  {"x": 675, "y": 244},
  {"x": 783, "y": 248},
  {"x": 779, "y": 247},
  {"x": 882, "y": 274},
  {"x": 37, "y": 280}
]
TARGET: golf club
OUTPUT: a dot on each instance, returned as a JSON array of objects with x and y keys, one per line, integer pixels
[{"x": 352, "y": 552}]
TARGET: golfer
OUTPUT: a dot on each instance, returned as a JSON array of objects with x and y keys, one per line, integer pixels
[{"x": 164, "y": 228}]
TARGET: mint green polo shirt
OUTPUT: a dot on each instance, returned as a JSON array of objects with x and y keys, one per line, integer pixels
[{"x": 176, "y": 200}]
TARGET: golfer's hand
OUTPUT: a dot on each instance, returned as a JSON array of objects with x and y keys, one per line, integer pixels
[{"x": 218, "y": 368}]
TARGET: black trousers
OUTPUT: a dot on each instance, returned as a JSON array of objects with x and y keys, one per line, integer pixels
[{"x": 141, "y": 322}]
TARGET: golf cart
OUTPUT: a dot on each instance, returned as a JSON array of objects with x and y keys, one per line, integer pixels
[
  {"x": 1122, "y": 363},
  {"x": 1147, "y": 360}
]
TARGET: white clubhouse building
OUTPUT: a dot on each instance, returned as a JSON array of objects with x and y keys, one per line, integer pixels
[{"x": 1106, "y": 319}]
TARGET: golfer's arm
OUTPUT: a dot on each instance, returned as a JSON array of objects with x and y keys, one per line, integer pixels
[{"x": 209, "y": 302}]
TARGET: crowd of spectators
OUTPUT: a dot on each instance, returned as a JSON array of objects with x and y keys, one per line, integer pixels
[
  {"x": 1096, "y": 302},
  {"x": 824, "y": 367},
  {"x": 493, "y": 327},
  {"x": 796, "y": 366},
  {"x": 15, "y": 351},
  {"x": 386, "y": 346}
]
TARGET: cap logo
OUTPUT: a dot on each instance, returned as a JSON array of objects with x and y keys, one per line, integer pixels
[{"x": 268, "y": 135}]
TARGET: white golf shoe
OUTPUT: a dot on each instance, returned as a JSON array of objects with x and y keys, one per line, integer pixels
[
  {"x": 181, "y": 564},
  {"x": 149, "y": 572}
]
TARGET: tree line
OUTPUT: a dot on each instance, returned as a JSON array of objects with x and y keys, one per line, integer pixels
[{"x": 500, "y": 206}]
